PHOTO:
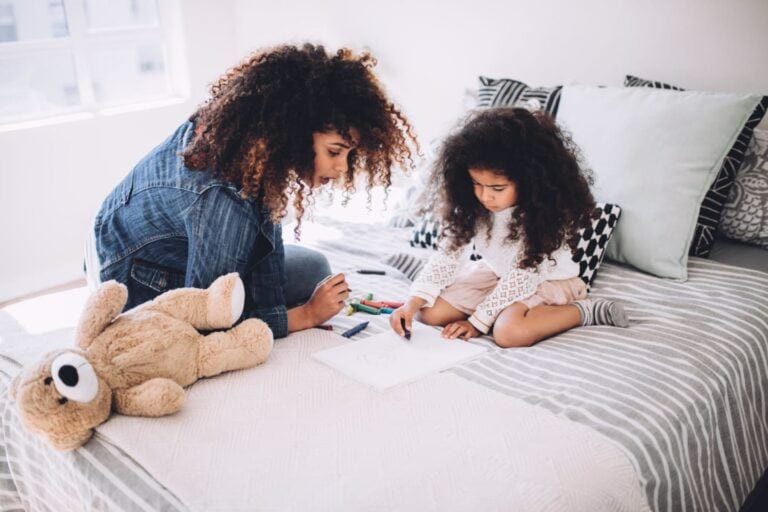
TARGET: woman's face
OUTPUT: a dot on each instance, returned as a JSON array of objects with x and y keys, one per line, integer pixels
[
  {"x": 331, "y": 155},
  {"x": 494, "y": 191}
]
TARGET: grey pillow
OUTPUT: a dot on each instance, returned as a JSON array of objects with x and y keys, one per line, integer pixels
[
  {"x": 712, "y": 207},
  {"x": 656, "y": 153},
  {"x": 745, "y": 216}
]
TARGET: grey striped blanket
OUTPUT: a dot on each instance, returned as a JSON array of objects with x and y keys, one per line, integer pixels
[{"x": 681, "y": 390}]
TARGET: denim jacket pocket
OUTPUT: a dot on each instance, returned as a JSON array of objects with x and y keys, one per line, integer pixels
[{"x": 156, "y": 277}]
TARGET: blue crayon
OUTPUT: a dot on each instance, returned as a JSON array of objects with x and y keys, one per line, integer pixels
[
  {"x": 356, "y": 329},
  {"x": 386, "y": 311}
]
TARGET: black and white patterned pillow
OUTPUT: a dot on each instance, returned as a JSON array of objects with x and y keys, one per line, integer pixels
[
  {"x": 745, "y": 216},
  {"x": 589, "y": 251},
  {"x": 594, "y": 239},
  {"x": 711, "y": 209},
  {"x": 426, "y": 232},
  {"x": 505, "y": 92}
]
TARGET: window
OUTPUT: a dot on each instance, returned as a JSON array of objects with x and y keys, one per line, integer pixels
[{"x": 72, "y": 56}]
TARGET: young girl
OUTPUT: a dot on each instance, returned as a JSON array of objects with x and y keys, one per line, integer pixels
[{"x": 510, "y": 185}]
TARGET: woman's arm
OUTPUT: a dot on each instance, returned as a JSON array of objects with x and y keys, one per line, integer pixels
[
  {"x": 223, "y": 236},
  {"x": 326, "y": 301}
]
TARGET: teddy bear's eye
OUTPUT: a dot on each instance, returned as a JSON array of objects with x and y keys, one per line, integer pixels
[{"x": 74, "y": 377}]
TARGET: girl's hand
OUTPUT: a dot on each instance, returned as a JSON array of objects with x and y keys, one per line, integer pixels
[
  {"x": 327, "y": 299},
  {"x": 462, "y": 329},
  {"x": 405, "y": 312}
]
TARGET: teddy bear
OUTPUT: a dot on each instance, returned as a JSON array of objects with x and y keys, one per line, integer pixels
[{"x": 137, "y": 363}]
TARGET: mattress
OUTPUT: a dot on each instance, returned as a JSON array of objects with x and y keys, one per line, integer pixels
[{"x": 666, "y": 415}]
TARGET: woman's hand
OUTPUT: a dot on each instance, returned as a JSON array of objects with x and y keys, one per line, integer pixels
[
  {"x": 327, "y": 299},
  {"x": 404, "y": 315},
  {"x": 461, "y": 329}
]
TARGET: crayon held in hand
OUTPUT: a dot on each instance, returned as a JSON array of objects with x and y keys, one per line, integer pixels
[{"x": 407, "y": 332}]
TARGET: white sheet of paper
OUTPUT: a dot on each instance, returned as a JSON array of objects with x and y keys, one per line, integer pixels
[{"x": 386, "y": 359}]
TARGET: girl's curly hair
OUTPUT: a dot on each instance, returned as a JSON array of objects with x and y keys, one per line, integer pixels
[
  {"x": 553, "y": 195},
  {"x": 256, "y": 129}
]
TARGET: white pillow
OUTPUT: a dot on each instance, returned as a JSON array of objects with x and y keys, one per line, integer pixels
[{"x": 655, "y": 152}]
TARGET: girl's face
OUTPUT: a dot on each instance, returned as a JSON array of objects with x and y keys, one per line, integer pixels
[
  {"x": 494, "y": 191},
  {"x": 331, "y": 155}
]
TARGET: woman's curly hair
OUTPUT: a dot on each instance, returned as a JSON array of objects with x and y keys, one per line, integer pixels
[
  {"x": 256, "y": 129},
  {"x": 553, "y": 195}
]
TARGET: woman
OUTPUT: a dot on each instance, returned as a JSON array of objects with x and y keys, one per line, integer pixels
[{"x": 208, "y": 200}]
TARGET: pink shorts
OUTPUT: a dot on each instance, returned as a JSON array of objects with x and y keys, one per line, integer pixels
[{"x": 477, "y": 280}]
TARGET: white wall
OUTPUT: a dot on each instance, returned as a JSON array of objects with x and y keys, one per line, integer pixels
[
  {"x": 53, "y": 178},
  {"x": 428, "y": 50}
]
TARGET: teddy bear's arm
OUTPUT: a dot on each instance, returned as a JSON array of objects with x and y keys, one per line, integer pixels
[
  {"x": 217, "y": 307},
  {"x": 155, "y": 397},
  {"x": 102, "y": 307}
]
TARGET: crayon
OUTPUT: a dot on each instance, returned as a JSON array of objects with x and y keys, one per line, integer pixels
[
  {"x": 391, "y": 304},
  {"x": 325, "y": 327},
  {"x": 368, "y": 296},
  {"x": 349, "y": 309},
  {"x": 367, "y": 309},
  {"x": 407, "y": 332},
  {"x": 386, "y": 311},
  {"x": 354, "y": 330},
  {"x": 371, "y": 271},
  {"x": 373, "y": 303}
]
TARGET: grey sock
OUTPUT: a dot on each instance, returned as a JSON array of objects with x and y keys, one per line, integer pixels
[{"x": 602, "y": 312}]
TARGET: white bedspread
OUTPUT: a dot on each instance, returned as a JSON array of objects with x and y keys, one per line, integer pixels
[{"x": 294, "y": 434}]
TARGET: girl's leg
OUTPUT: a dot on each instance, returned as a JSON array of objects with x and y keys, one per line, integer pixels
[
  {"x": 304, "y": 268},
  {"x": 442, "y": 313},
  {"x": 518, "y": 326}
]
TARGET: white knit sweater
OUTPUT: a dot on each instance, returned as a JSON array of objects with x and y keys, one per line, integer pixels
[{"x": 502, "y": 258}]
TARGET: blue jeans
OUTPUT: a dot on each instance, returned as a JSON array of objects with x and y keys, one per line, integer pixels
[{"x": 304, "y": 268}]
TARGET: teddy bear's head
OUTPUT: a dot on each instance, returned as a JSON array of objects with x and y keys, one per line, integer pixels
[{"x": 63, "y": 398}]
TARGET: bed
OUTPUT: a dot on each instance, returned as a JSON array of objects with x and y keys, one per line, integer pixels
[{"x": 667, "y": 415}]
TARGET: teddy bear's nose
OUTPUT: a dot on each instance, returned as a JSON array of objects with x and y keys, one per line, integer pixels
[{"x": 68, "y": 375}]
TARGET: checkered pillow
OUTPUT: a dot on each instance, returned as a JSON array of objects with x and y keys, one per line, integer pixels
[
  {"x": 426, "y": 232},
  {"x": 505, "y": 92},
  {"x": 711, "y": 209},
  {"x": 589, "y": 251}
]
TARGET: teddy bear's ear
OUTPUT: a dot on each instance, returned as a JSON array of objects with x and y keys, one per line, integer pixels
[
  {"x": 102, "y": 307},
  {"x": 70, "y": 442}
]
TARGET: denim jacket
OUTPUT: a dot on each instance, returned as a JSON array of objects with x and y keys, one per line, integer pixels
[{"x": 165, "y": 226}]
